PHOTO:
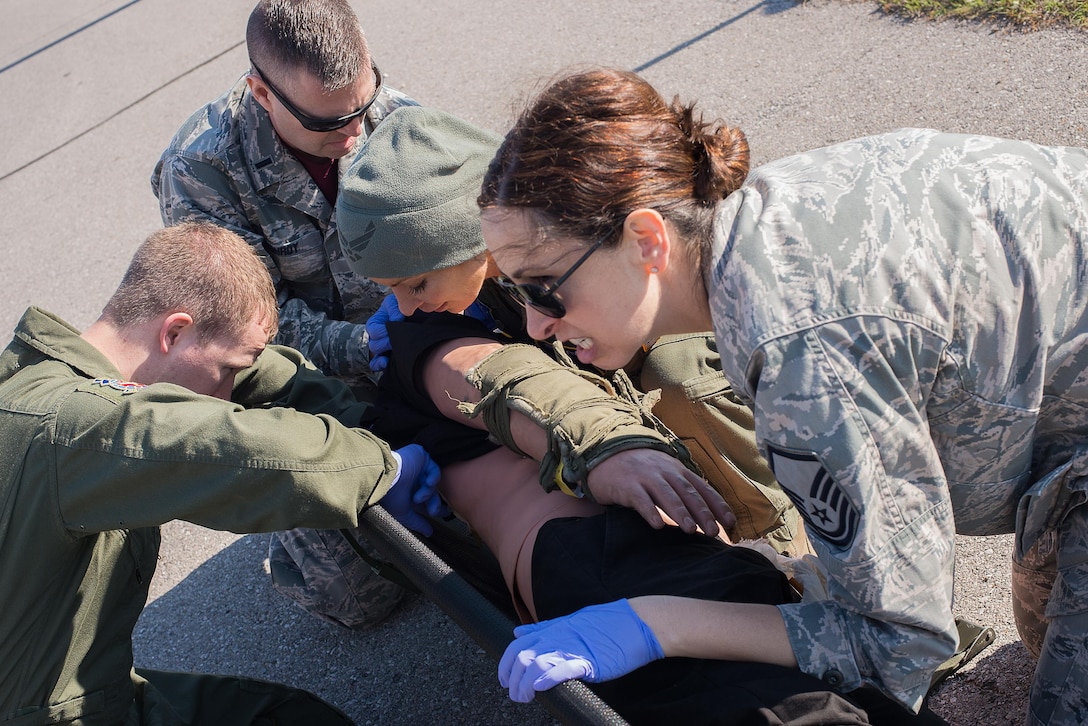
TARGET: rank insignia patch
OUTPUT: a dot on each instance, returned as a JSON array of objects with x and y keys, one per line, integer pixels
[
  {"x": 117, "y": 385},
  {"x": 820, "y": 499}
]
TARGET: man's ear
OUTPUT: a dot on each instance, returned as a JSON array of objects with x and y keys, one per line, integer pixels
[
  {"x": 259, "y": 90},
  {"x": 174, "y": 327},
  {"x": 648, "y": 230}
]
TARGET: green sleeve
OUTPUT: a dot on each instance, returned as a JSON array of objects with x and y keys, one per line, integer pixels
[
  {"x": 145, "y": 457},
  {"x": 284, "y": 377}
]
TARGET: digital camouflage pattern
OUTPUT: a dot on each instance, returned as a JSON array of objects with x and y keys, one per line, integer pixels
[
  {"x": 321, "y": 572},
  {"x": 908, "y": 315},
  {"x": 226, "y": 165},
  {"x": 1031, "y": 580},
  {"x": 1049, "y": 583}
]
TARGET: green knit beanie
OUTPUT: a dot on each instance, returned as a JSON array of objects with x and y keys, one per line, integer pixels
[{"x": 407, "y": 204}]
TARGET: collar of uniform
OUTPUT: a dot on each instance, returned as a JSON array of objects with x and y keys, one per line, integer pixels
[
  {"x": 276, "y": 172},
  {"x": 271, "y": 166},
  {"x": 49, "y": 335}
]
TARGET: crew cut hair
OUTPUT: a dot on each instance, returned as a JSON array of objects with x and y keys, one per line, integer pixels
[{"x": 320, "y": 36}]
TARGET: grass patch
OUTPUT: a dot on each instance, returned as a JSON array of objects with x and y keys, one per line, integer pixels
[{"x": 1023, "y": 13}]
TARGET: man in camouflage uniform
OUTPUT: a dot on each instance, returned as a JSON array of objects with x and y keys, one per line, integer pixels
[
  {"x": 252, "y": 162},
  {"x": 907, "y": 314}
]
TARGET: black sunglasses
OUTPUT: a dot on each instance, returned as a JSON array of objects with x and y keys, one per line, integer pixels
[
  {"x": 322, "y": 125},
  {"x": 544, "y": 299}
]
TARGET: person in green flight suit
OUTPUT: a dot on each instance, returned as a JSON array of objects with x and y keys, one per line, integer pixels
[{"x": 171, "y": 405}]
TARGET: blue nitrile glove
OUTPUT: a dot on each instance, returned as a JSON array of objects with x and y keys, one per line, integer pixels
[
  {"x": 378, "y": 336},
  {"x": 415, "y": 490},
  {"x": 597, "y": 643}
]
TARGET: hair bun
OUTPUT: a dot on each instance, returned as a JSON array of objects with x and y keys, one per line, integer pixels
[{"x": 719, "y": 154}]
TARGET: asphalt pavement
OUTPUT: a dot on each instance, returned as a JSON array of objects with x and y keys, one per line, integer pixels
[{"x": 92, "y": 91}]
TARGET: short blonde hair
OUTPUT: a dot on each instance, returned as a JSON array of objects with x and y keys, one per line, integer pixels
[{"x": 201, "y": 269}]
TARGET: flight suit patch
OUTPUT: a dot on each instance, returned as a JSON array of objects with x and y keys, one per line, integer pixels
[{"x": 119, "y": 385}]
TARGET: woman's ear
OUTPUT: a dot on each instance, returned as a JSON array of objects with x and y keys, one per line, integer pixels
[{"x": 647, "y": 229}]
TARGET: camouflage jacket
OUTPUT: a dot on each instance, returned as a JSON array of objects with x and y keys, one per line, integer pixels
[
  {"x": 907, "y": 314},
  {"x": 227, "y": 165}
]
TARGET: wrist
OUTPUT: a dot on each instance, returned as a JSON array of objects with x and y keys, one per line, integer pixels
[
  {"x": 653, "y": 610},
  {"x": 400, "y": 468}
]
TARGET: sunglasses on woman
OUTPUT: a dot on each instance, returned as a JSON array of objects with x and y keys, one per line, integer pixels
[
  {"x": 322, "y": 125},
  {"x": 544, "y": 299}
]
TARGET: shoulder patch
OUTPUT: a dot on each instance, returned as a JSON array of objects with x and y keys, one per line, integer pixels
[
  {"x": 821, "y": 500},
  {"x": 118, "y": 385}
]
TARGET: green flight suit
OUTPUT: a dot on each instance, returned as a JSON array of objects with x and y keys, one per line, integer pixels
[{"x": 92, "y": 466}]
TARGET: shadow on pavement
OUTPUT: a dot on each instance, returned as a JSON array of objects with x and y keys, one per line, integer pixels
[
  {"x": 224, "y": 617},
  {"x": 769, "y": 7}
]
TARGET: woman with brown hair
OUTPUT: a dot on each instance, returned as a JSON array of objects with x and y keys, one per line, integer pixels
[
  {"x": 408, "y": 218},
  {"x": 905, "y": 315}
]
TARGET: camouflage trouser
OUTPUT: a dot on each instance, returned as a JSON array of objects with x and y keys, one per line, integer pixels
[
  {"x": 699, "y": 406},
  {"x": 323, "y": 574},
  {"x": 1050, "y": 596},
  {"x": 1032, "y": 579}
]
